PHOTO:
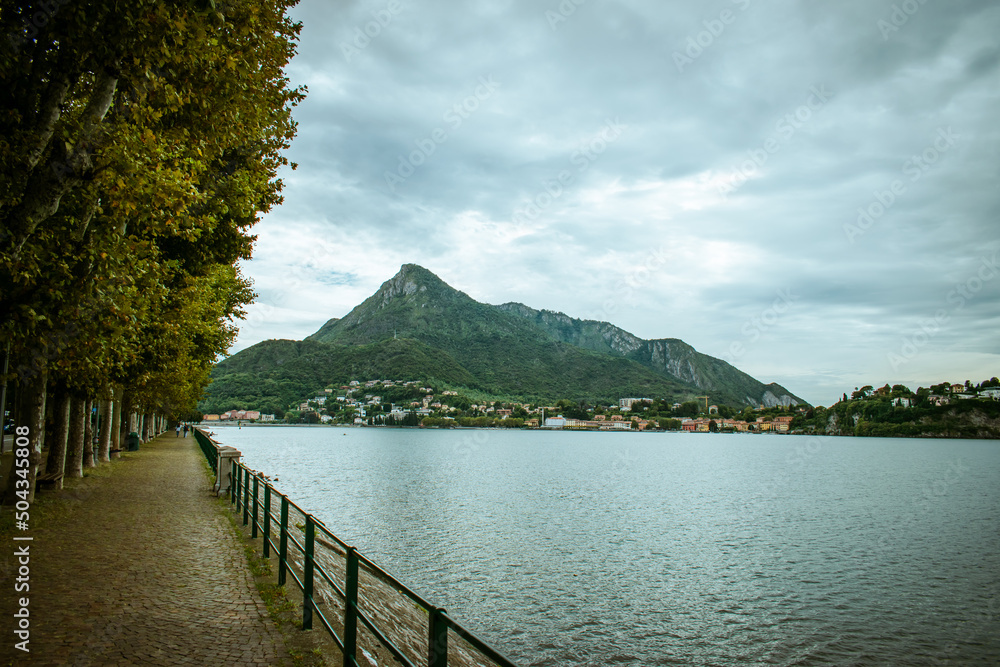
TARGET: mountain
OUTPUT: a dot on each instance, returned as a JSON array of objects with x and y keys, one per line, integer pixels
[
  {"x": 501, "y": 343},
  {"x": 507, "y": 354},
  {"x": 418, "y": 327},
  {"x": 669, "y": 356}
]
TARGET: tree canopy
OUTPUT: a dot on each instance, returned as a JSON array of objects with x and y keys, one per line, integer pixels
[{"x": 139, "y": 143}]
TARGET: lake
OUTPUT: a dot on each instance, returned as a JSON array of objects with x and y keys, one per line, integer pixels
[{"x": 598, "y": 548}]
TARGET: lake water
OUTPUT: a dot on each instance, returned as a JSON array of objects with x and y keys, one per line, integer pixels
[{"x": 669, "y": 548}]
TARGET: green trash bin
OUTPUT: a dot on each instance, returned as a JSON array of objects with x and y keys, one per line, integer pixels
[{"x": 132, "y": 442}]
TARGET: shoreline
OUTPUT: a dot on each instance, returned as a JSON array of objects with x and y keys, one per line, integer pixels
[{"x": 229, "y": 425}]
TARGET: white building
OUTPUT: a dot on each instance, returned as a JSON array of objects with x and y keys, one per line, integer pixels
[
  {"x": 626, "y": 403},
  {"x": 616, "y": 426}
]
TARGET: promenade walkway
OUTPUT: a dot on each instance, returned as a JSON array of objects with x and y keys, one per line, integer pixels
[{"x": 141, "y": 568}]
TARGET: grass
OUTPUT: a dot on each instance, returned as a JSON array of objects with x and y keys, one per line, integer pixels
[{"x": 48, "y": 506}]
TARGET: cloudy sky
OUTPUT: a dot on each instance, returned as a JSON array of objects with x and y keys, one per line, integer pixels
[{"x": 806, "y": 189}]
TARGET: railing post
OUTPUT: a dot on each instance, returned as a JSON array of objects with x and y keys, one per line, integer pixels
[
  {"x": 283, "y": 542},
  {"x": 267, "y": 521},
  {"x": 351, "y": 609},
  {"x": 307, "y": 574},
  {"x": 224, "y": 458},
  {"x": 253, "y": 523},
  {"x": 246, "y": 498},
  {"x": 234, "y": 483},
  {"x": 437, "y": 639}
]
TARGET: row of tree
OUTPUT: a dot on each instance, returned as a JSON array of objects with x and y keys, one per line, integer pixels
[{"x": 139, "y": 143}]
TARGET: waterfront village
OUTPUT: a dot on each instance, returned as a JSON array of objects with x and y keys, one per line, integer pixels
[{"x": 410, "y": 403}]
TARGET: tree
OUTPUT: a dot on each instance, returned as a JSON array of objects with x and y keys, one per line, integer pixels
[
  {"x": 140, "y": 142},
  {"x": 164, "y": 120},
  {"x": 688, "y": 409}
]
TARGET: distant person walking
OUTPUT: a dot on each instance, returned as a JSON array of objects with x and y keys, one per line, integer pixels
[
  {"x": 178, "y": 430},
  {"x": 186, "y": 427}
]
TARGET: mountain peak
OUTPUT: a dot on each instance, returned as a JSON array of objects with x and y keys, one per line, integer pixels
[
  {"x": 411, "y": 279},
  {"x": 414, "y": 271},
  {"x": 517, "y": 350}
]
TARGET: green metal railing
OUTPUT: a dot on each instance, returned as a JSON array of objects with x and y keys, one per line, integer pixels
[
  {"x": 252, "y": 495},
  {"x": 208, "y": 449}
]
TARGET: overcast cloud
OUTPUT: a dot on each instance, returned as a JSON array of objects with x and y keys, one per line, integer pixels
[{"x": 806, "y": 189}]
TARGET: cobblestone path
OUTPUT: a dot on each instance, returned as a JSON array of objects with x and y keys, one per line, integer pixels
[{"x": 143, "y": 570}]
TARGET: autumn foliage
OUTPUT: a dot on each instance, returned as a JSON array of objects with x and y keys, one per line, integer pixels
[{"x": 139, "y": 144}]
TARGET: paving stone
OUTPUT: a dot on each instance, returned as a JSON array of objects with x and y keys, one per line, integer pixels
[{"x": 145, "y": 571}]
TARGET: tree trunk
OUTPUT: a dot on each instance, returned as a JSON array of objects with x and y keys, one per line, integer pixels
[
  {"x": 46, "y": 186},
  {"x": 56, "y": 462},
  {"x": 3, "y": 399},
  {"x": 116, "y": 423},
  {"x": 104, "y": 446},
  {"x": 88, "y": 434},
  {"x": 31, "y": 395},
  {"x": 75, "y": 444},
  {"x": 128, "y": 419}
]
